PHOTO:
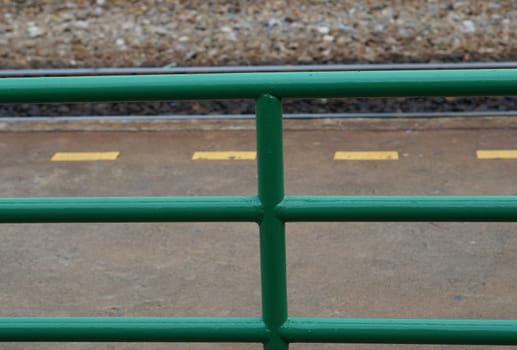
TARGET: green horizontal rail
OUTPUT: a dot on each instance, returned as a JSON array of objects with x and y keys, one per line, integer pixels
[
  {"x": 223, "y": 329},
  {"x": 399, "y": 208},
  {"x": 249, "y": 209},
  {"x": 130, "y": 209},
  {"x": 132, "y": 329},
  {"x": 400, "y": 331},
  {"x": 481, "y": 82}
]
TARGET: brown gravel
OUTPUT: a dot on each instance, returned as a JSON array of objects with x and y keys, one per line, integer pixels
[{"x": 116, "y": 33}]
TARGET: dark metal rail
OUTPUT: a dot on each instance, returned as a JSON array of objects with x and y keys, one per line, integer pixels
[
  {"x": 47, "y": 72},
  {"x": 387, "y": 115}
]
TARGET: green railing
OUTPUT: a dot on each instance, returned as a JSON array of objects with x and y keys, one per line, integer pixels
[{"x": 271, "y": 208}]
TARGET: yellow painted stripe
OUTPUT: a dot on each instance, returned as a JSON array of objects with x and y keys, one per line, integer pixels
[
  {"x": 228, "y": 155},
  {"x": 497, "y": 154},
  {"x": 370, "y": 155},
  {"x": 83, "y": 156}
]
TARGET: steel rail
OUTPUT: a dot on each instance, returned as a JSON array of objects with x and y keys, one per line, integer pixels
[
  {"x": 400, "y": 331},
  {"x": 130, "y": 209},
  {"x": 270, "y": 171},
  {"x": 386, "y": 115},
  {"x": 249, "y": 209},
  {"x": 248, "y": 329},
  {"x": 40, "y": 72},
  {"x": 133, "y": 329},
  {"x": 398, "y": 208},
  {"x": 488, "y": 82}
]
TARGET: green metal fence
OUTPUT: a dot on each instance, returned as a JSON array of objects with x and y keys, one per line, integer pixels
[{"x": 271, "y": 208}]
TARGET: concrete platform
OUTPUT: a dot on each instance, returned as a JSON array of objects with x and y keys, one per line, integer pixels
[{"x": 432, "y": 270}]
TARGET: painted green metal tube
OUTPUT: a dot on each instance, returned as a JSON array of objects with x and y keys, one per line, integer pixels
[
  {"x": 399, "y": 208},
  {"x": 272, "y": 229},
  {"x": 400, "y": 331},
  {"x": 132, "y": 329},
  {"x": 130, "y": 209},
  {"x": 480, "y": 82}
]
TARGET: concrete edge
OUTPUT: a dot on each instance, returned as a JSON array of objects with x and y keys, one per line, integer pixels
[{"x": 372, "y": 124}]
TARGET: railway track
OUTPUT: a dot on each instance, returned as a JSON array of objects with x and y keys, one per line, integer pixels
[{"x": 4, "y": 73}]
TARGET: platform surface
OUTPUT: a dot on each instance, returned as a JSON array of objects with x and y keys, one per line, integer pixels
[{"x": 428, "y": 270}]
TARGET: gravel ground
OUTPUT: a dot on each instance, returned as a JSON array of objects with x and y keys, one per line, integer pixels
[
  {"x": 116, "y": 33},
  {"x": 155, "y": 33}
]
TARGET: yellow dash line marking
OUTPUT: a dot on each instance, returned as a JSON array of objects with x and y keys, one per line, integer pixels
[
  {"x": 228, "y": 155},
  {"x": 370, "y": 155},
  {"x": 497, "y": 154},
  {"x": 83, "y": 156}
]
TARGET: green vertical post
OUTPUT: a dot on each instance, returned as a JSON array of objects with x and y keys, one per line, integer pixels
[{"x": 272, "y": 228}]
